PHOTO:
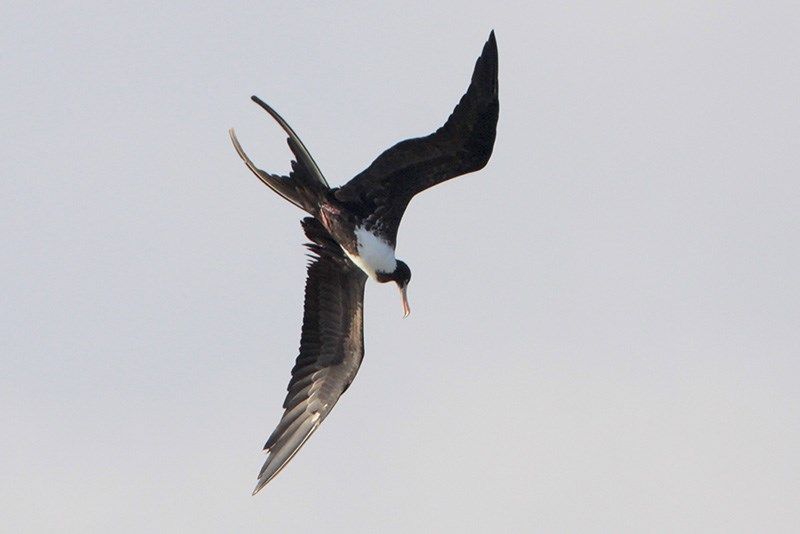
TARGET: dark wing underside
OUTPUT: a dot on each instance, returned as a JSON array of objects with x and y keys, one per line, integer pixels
[
  {"x": 331, "y": 348},
  {"x": 464, "y": 144}
]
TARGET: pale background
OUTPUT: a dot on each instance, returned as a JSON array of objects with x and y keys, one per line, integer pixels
[{"x": 605, "y": 328}]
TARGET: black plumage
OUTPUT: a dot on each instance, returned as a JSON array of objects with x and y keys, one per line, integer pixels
[
  {"x": 353, "y": 233},
  {"x": 331, "y": 347},
  {"x": 464, "y": 144}
]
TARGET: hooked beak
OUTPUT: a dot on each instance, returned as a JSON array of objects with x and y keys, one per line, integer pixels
[{"x": 406, "y": 307}]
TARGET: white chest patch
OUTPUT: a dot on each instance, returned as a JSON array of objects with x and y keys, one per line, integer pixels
[{"x": 374, "y": 254}]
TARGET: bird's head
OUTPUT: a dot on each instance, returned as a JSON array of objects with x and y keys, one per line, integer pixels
[{"x": 400, "y": 276}]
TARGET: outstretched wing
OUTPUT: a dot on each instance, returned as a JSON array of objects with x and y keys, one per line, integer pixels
[
  {"x": 464, "y": 144},
  {"x": 331, "y": 348}
]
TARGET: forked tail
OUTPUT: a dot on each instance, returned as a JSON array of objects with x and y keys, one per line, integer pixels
[{"x": 305, "y": 187}]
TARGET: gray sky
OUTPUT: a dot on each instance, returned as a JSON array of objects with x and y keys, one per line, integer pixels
[{"x": 605, "y": 327}]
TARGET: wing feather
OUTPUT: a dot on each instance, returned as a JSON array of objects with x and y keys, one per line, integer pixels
[
  {"x": 331, "y": 348},
  {"x": 462, "y": 145}
]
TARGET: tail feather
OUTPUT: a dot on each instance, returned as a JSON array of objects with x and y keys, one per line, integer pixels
[
  {"x": 297, "y": 146},
  {"x": 305, "y": 187},
  {"x": 280, "y": 184}
]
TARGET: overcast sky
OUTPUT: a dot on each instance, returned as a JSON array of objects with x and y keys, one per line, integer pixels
[{"x": 606, "y": 319}]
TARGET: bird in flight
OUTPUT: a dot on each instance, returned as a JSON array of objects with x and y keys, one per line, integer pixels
[{"x": 353, "y": 233}]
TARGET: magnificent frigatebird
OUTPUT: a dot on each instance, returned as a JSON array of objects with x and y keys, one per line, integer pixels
[{"x": 353, "y": 232}]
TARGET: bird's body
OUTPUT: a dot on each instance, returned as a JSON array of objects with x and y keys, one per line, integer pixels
[
  {"x": 372, "y": 254},
  {"x": 353, "y": 234},
  {"x": 368, "y": 250}
]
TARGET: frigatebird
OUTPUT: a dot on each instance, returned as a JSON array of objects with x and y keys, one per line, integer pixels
[{"x": 353, "y": 233}]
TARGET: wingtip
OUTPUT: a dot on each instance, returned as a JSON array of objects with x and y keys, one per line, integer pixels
[
  {"x": 262, "y": 479},
  {"x": 486, "y": 65},
  {"x": 491, "y": 43},
  {"x": 259, "y": 486}
]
